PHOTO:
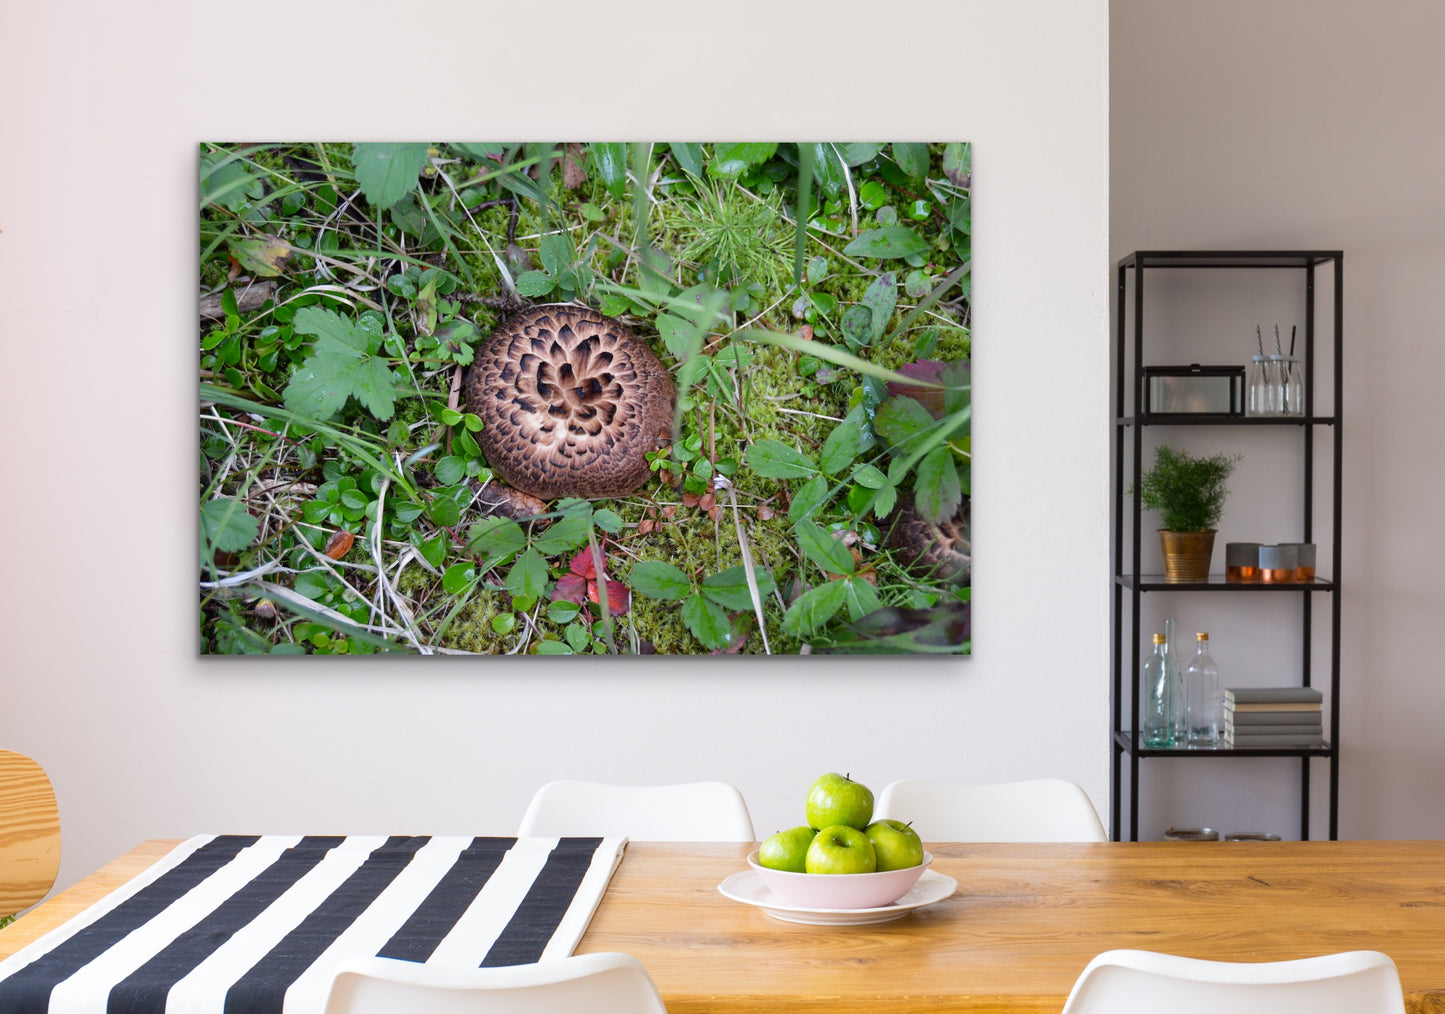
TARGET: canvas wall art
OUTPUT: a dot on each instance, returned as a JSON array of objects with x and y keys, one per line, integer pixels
[{"x": 585, "y": 398}]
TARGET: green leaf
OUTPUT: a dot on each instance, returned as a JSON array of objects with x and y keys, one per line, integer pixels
[
  {"x": 859, "y": 152},
  {"x": 265, "y": 255},
  {"x": 869, "y": 476},
  {"x": 534, "y": 283},
  {"x": 936, "y": 492},
  {"x": 861, "y": 598},
  {"x": 450, "y": 470},
  {"x": 387, "y": 172},
  {"x": 608, "y": 159},
  {"x": 814, "y": 608},
  {"x": 912, "y": 158},
  {"x": 459, "y": 578},
  {"x": 824, "y": 550},
  {"x": 708, "y": 623},
  {"x": 565, "y": 535},
  {"x": 556, "y": 251},
  {"x": 891, "y": 242},
  {"x": 550, "y": 647},
  {"x": 445, "y": 511},
  {"x": 609, "y": 521},
  {"x": 323, "y": 323},
  {"x": 681, "y": 337},
  {"x": 689, "y": 156},
  {"x": 225, "y": 182},
  {"x": 335, "y": 371},
  {"x": 659, "y": 580},
  {"x": 857, "y": 325},
  {"x": 900, "y": 419},
  {"x": 496, "y": 539},
  {"x": 528, "y": 575},
  {"x": 958, "y": 162},
  {"x": 841, "y": 447},
  {"x": 773, "y": 459},
  {"x": 729, "y": 588},
  {"x": 808, "y": 498},
  {"x": 732, "y": 160},
  {"x": 829, "y": 172},
  {"x": 881, "y": 297},
  {"x": 228, "y": 526},
  {"x": 822, "y": 350}
]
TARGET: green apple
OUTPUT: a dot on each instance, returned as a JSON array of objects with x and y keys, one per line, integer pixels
[
  {"x": 837, "y": 799},
  {"x": 787, "y": 850},
  {"x": 840, "y": 849},
  {"x": 897, "y": 845}
]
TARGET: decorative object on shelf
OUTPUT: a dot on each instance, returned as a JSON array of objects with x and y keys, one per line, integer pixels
[
  {"x": 1304, "y": 562},
  {"x": 1277, "y": 564},
  {"x": 1241, "y": 562},
  {"x": 1188, "y": 493},
  {"x": 1176, "y": 682},
  {"x": 1251, "y": 836},
  {"x": 1193, "y": 391},
  {"x": 1276, "y": 381},
  {"x": 1201, "y": 686},
  {"x": 1158, "y": 715},
  {"x": 1273, "y": 717},
  {"x": 1191, "y": 834}
]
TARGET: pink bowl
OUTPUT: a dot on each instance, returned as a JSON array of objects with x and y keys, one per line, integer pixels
[{"x": 839, "y": 890}]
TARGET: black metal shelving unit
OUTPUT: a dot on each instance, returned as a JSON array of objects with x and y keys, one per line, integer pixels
[{"x": 1125, "y": 746}]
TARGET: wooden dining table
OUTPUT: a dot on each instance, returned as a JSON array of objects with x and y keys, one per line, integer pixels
[{"x": 1023, "y": 923}]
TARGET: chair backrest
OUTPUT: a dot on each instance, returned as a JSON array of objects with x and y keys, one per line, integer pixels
[
  {"x": 1041, "y": 809},
  {"x": 29, "y": 833},
  {"x": 1352, "y": 982},
  {"x": 696, "y": 811},
  {"x": 606, "y": 983}
]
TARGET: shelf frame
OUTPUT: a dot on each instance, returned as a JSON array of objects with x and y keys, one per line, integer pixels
[{"x": 1129, "y": 584}]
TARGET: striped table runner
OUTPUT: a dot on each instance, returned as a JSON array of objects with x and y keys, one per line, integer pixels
[{"x": 253, "y": 924}]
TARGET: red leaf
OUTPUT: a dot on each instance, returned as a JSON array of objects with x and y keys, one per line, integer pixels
[
  {"x": 571, "y": 588},
  {"x": 619, "y": 599},
  {"x": 583, "y": 565}
]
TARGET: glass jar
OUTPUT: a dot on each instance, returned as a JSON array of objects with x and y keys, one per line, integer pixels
[
  {"x": 1257, "y": 396},
  {"x": 1291, "y": 386}
]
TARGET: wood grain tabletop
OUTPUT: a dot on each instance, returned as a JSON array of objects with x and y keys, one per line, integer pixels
[{"x": 1024, "y": 921}]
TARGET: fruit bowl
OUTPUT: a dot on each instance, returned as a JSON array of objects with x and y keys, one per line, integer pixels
[{"x": 839, "y": 890}]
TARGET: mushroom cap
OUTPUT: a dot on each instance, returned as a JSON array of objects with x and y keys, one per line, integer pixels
[
  {"x": 943, "y": 551},
  {"x": 571, "y": 403}
]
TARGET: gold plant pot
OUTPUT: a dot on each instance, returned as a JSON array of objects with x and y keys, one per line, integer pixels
[{"x": 1186, "y": 555}]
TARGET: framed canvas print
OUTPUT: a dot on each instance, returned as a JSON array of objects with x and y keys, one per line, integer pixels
[{"x": 585, "y": 397}]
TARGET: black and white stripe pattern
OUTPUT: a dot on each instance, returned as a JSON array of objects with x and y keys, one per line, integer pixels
[{"x": 249, "y": 924}]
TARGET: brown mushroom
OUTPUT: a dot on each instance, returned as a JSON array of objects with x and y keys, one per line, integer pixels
[
  {"x": 571, "y": 403},
  {"x": 943, "y": 550}
]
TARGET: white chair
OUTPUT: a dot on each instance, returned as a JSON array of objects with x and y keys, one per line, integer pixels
[
  {"x": 607, "y": 983},
  {"x": 1041, "y": 809},
  {"x": 696, "y": 811},
  {"x": 1353, "y": 982}
]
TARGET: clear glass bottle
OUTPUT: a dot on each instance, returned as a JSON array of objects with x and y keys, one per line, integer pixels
[
  {"x": 1201, "y": 685},
  {"x": 1257, "y": 392},
  {"x": 1156, "y": 716},
  {"x": 1292, "y": 386},
  {"x": 1177, "y": 704}
]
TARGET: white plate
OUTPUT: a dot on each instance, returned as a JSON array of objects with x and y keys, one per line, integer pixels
[{"x": 748, "y": 888}]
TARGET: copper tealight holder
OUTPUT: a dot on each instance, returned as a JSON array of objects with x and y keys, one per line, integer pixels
[
  {"x": 1304, "y": 569},
  {"x": 1277, "y": 564},
  {"x": 1241, "y": 562}
]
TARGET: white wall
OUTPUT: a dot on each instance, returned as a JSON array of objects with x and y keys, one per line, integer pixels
[
  {"x": 102, "y": 683},
  {"x": 1307, "y": 124}
]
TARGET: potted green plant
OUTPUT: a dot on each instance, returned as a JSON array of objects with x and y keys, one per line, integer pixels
[{"x": 1188, "y": 493}]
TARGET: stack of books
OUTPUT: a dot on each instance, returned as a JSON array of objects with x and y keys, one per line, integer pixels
[{"x": 1273, "y": 717}]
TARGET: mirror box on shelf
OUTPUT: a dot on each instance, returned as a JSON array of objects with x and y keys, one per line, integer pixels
[{"x": 1193, "y": 390}]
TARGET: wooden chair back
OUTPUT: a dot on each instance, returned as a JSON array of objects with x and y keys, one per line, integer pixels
[{"x": 29, "y": 833}]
